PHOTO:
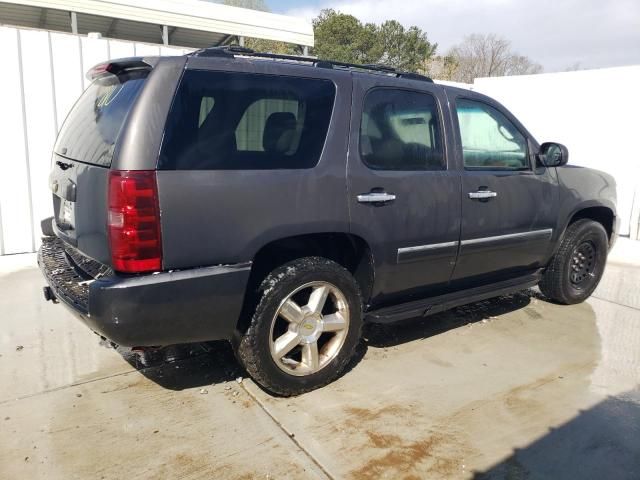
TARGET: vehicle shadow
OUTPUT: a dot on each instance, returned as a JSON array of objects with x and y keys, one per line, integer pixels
[
  {"x": 600, "y": 442},
  {"x": 180, "y": 367}
]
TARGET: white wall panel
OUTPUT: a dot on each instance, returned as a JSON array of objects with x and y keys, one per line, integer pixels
[
  {"x": 41, "y": 120},
  {"x": 169, "y": 51},
  {"x": 120, "y": 49},
  {"x": 49, "y": 68},
  {"x": 575, "y": 108},
  {"x": 43, "y": 76},
  {"x": 94, "y": 51},
  {"x": 67, "y": 72},
  {"x": 15, "y": 204},
  {"x": 143, "y": 49}
]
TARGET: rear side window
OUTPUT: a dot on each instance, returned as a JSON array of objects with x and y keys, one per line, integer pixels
[
  {"x": 92, "y": 128},
  {"x": 242, "y": 121},
  {"x": 400, "y": 130}
]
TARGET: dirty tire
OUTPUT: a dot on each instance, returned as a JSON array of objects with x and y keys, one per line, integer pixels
[
  {"x": 253, "y": 348},
  {"x": 557, "y": 283}
]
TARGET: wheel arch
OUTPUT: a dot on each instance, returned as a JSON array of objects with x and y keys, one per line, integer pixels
[
  {"x": 598, "y": 213},
  {"x": 349, "y": 250}
]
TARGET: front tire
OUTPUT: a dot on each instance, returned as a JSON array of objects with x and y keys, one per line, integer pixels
[
  {"x": 305, "y": 328},
  {"x": 577, "y": 267}
]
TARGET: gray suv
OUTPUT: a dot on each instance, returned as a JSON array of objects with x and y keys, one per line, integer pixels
[{"x": 279, "y": 202}]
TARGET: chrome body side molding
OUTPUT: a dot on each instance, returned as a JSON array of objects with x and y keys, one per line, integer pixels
[
  {"x": 417, "y": 252},
  {"x": 535, "y": 234}
]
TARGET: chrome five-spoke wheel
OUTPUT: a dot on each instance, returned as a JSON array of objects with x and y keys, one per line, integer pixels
[
  {"x": 305, "y": 327},
  {"x": 309, "y": 328}
]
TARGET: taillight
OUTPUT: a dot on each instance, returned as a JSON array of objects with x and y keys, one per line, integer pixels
[{"x": 134, "y": 221}]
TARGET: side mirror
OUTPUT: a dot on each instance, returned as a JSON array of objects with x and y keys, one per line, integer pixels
[{"x": 553, "y": 154}]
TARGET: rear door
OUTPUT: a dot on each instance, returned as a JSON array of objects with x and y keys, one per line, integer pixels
[
  {"x": 82, "y": 156},
  {"x": 508, "y": 201},
  {"x": 404, "y": 197}
]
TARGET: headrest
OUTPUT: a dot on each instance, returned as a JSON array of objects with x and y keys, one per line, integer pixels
[{"x": 278, "y": 132}]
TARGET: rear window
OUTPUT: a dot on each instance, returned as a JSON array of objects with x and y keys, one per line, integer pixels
[
  {"x": 90, "y": 132},
  {"x": 241, "y": 121}
]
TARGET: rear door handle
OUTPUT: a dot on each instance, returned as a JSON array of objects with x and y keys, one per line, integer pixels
[
  {"x": 482, "y": 194},
  {"x": 376, "y": 197}
]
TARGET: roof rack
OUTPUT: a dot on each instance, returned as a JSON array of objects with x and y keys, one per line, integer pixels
[{"x": 236, "y": 50}]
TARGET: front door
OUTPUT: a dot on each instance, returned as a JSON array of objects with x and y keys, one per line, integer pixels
[
  {"x": 404, "y": 197},
  {"x": 508, "y": 202}
]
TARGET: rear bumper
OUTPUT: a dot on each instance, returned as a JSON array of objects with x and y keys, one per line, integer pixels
[{"x": 185, "y": 306}]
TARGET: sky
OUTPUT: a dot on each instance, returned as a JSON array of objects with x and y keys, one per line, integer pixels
[{"x": 558, "y": 34}]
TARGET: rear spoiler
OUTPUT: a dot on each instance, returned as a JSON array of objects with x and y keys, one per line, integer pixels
[{"x": 118, "y": 66}]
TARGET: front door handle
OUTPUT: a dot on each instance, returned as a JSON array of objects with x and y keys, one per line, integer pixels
[
  {"x": 376, "y": 197},
  {"x": 482, "y": 194}
]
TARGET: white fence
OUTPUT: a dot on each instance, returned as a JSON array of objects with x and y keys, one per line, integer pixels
[
  {"x": 42, "y": 76},
  {"x": 592, "y": 112}
]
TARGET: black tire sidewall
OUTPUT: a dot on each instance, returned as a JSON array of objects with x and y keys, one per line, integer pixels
[
  {"x": 595, "y": 233},
  {"x": 279, "y": 284}
]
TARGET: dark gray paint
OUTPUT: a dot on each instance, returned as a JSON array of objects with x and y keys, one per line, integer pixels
[
  {"x": 226, "y": 217},
  {"x": 141, "y": 137},
  {"x": 85, "y": 186},
  {"x": 426, "y": 210},
  {"x": 581, "y": 188}
]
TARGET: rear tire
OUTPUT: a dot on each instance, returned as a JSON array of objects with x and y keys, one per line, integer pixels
[
  {"x": 305, "y": 328},
  {"x": 577, "y": 267}
]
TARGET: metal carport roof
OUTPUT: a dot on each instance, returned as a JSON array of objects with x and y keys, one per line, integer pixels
[{"x": 189, "y": 23}]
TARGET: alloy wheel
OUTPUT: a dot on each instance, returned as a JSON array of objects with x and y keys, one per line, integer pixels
[{"x": 309, "y": 328}]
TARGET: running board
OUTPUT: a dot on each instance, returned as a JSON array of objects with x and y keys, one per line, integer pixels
[{"x": 429, "y": 306}]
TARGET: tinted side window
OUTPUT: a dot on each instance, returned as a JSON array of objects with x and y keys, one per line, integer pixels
[
  {"x": 242, "y": 121},
  {"x": 489, "y": 139},
  {"x": 400, "y": 130}
]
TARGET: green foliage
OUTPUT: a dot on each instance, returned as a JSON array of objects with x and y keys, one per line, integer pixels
[
  {"x": 251, "y": 4},
  {"x": 272, "y": 46},
  {"x": 344, "y": 38}
]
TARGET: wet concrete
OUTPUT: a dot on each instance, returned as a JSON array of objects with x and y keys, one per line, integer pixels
[{"x": 511, "y": 388}]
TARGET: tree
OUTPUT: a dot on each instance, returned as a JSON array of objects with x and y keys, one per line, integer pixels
[
  {"x": 251, "y": 4},
  {"x": 574, "y": 67},
  {"x": 441, "y": 67},
  {"x": 488, "y": 56},
  {"x": 272, "y": 46},
  {"x": 344, "y": 38},
  {"x": 404, "y": 49}
]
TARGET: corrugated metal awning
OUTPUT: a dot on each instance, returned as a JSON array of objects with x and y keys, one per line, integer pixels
[{"x": 191, "y": 23}]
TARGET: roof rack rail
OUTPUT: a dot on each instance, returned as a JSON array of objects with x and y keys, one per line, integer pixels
[
  {"x": 380, "y": 66},
  {"x": 233, "y": 50}
]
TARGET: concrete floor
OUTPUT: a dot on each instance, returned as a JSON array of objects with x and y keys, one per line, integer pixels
[{"x": 512, "y": 388}]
